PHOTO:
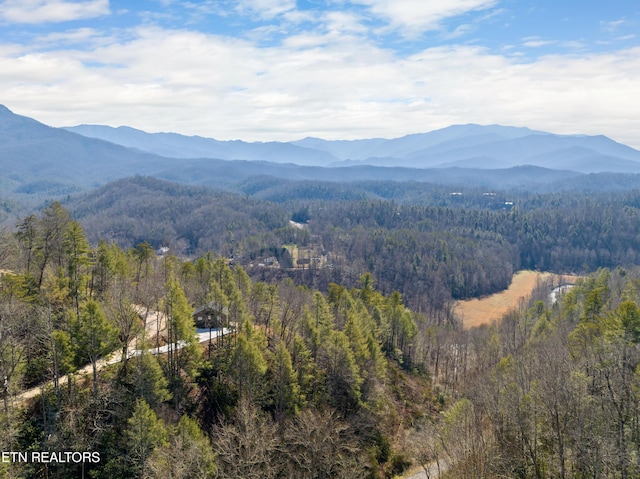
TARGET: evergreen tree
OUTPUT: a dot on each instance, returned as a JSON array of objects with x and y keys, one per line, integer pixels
[
  {"x": 187, "y": 455},
  {"x": 184, "y": 352},
  {"x": 94, "y": 336},
  {"x": 248, "y": 365},
  {"x": 284, "y": 388},
  {"x": 76, "y": 247},
  {"x": 144, "y": 434},
  {"x": 51, "y": 231},
  {"x": 342, "y": 374},
  {"x": 148, "y": 380}
]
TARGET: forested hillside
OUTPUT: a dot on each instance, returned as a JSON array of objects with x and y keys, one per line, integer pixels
[
  {"x": 432, "y": 244},
  {"x": 554, "y": 392},
  {"x": 347, "y": 382},
  {"x": 305, "y": 385}
]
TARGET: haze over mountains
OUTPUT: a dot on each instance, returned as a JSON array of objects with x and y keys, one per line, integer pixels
[
  {"x": 465, "y": 146},
  {"x": 38, "y": 159}
]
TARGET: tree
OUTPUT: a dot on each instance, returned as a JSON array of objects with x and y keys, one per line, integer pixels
[
  {"x": 401, "y": 328},
  {"x": 149, "y": 382},
  {"x": 184, "y": 349},
  {"x": 63, "y": 357},
  {"x": 470, "y": 450},
  {"x": 292, "y": 303},
  {"x": 318, "y": 445},
  {"x": 248, "y": 365},
  {"x": 426, "y": 446},
  {"x": 125, "y": 319},
  {"x": 145, "y": 432},
  {"x": 143, "y": 253},
  {"x": 247, "y": 447},
  {"x": 49, "y": 241},
  {"x": 263, "y": 303},
  {"x": 108, "y": 260},
  {"x": 76, "y": 248},
  {"x": 187, "y": 455},
  {"x": 27, "y": 235},
  {"x": 342, "y": 373},
  {"x": 11, "y": 348},
  {"x": 284, "y": 388},
  {"x": 94, "y": 337}
]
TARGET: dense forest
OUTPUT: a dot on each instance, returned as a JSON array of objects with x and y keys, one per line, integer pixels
[
  {"x": 306, "y": 385},
  {"x": 432, "y": 243},
  {"x": 554, "y": 392},
  {"x": 346, "y": 382}
]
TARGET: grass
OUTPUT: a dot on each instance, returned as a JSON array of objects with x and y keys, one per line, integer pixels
[{"x": 476, "y": 312}]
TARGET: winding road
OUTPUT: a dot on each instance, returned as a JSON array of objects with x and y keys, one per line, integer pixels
[{"x": 155, "y": 324}]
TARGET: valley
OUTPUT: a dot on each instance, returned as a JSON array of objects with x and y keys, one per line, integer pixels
[
  {"x": 385, "y": 297},
  {"x": 487, "y": 310}
]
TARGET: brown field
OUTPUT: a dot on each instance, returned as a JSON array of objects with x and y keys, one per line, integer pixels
[{"x": 475, "y": 312}]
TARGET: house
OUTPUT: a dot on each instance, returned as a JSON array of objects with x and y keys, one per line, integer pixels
[{"x": 211, "y": 315}]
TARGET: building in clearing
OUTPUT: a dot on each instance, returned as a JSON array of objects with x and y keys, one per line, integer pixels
[{"x": 211, "y": 315}]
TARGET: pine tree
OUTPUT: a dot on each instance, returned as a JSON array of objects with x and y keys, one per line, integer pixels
[
  {"x": 184, "y": 353},
  {"x": 343, "y": 376},
  {"x": 50, "y": 235},
  {"x": 284, "y": 388},
  {"x": 188, "y": 454},
  {"x": 145, "y": 432},
  {"x": 76, "y": 248},
  {"x": 94, "y": 336},
  {"x": 248, "y": 365},
  {"x": 149, "y": 382}
]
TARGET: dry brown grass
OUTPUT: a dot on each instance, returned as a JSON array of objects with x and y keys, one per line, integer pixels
[{"x": 475, "y": 312}]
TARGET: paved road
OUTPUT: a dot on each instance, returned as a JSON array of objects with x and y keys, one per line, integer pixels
[{"x": 155, "y": 323}]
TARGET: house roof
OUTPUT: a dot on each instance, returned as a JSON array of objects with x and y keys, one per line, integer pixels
[{"x": 211, "y": 305}]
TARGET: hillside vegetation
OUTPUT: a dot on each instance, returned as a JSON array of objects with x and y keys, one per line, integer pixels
[
  {"x": 41, "y": 162},
  {"x": 434, "y": 249},
  {"x": 343, "y": 383},
  {"x": 304, "y": 377},
  {"x": 338, "y": 350}
]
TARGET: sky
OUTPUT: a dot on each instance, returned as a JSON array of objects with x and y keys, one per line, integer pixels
[{"x": 261, "y": 70}]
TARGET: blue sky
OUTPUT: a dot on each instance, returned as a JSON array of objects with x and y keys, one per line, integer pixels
[{"x": 286, "y": 69}]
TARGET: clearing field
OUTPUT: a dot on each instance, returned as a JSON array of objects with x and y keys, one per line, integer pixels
[{"x": 475, "y": 312}]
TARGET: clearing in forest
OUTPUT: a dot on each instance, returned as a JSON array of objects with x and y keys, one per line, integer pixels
[{"x": 475, "y": 312}]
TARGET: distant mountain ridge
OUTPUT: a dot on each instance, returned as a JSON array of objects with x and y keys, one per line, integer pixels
[
  {"x": 181, "y": 146},
  {"x": 464, "y": 146},
  {"x": 41, "y": 161},
  {"x": 36, "y": 157}
]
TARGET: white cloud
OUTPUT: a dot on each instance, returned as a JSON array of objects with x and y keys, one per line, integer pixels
[
  {"x": 45, "y": 11},
  {"x": 535, "y": 42},
  {"x": 423, "y": 14},
  {"x": 85, "y": 37},
  {"x": 328, "y": 85},
  {"x": 266, "y": 8},
  {"x": 613, "y": 26},
  {"x": 344, "y": 22}
]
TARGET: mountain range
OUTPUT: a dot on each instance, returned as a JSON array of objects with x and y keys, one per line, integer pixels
[
  {"x": 464, "y": 146},
  {"x": 44, "y": 161}
]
